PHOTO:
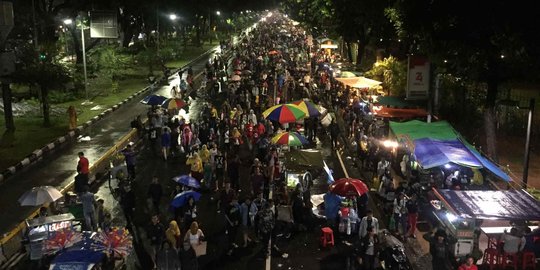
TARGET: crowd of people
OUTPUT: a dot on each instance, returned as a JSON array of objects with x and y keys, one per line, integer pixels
[{"x": 226, "y": 131}]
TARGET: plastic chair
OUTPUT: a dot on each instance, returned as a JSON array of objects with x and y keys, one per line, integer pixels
[
  {"x": 509, "y": 260},
  {"x": 327, "y": 237},
  {"x": 491, "y": 258},
  {"x": 529, "y": 260}
]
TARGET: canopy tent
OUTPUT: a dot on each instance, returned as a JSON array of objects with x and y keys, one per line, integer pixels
[
  {"x": 432, "y": 153},
  {"x": 491, "y": 204},
  {"x": 304, "y": 159},
  {"x": 486, "y": 163},
  {"x": 409, "y": 131},
  {"x": 399, "y": 113},
  {"x": 359, "y": 82},
  {"x": 460, "y": 152}
]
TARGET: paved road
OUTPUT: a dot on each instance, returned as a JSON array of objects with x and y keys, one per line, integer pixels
[{"x": 58, "y": 169}]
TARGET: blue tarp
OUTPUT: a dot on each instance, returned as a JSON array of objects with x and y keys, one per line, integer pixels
[
  {"x": 432, "y": 153},
  {"x": 492, "y": 204},
  {"x": 488, "y": 165},
  {"x": 76, "y": 259}
]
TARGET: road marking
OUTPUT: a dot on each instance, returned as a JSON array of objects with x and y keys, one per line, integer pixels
[{"x": 342, "y": 165}]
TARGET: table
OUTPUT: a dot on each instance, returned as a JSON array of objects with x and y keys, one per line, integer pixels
[{"x": 494, "y": 234}]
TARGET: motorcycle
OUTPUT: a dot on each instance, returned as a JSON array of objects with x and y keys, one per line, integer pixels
[{"x": 392, "y": 254}]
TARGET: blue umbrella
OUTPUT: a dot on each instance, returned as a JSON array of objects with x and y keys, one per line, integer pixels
[
  {"x": 153, "y": 100},
  {"x": 187, "y": 180},
  {"x": 182, "y": 198}
]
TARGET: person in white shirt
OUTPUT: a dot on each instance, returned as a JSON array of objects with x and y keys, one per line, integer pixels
[
  {"x": 400, "y": 213},
  {"x": 366, "y": 222},
  {"x": 512, "y": 242}
]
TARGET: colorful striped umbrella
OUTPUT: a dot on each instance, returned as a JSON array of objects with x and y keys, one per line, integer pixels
[
  {"x": 290, "y": 138},
  {"x": 116, "y": 241},
  {"x": 308, "y": 107},
  {"x": 173, "y": 103},
  {"x": 284, "y": 113}
]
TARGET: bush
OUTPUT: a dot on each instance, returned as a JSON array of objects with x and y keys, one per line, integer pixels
[
  {"x": 393, "y": 73},
  {"x": 56, "y": 97}
]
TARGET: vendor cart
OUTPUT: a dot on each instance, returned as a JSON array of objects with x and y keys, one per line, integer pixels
[
  {"x": 466, "y": 214},
  {"x": 40, "y": 229},
  {"x": 301, "y": 166}
]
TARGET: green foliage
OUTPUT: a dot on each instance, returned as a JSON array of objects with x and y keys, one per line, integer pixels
[
  {"x": 62, "y": 96},
  {"x": 148, "y": 58},
  {"x": 109, "y": 61},
  {"x": 393, "y": 73}
]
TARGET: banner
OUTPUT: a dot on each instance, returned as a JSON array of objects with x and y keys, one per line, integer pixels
[
  {"x": 103, "y": 24},
  {"x": 418, "y": 77}
]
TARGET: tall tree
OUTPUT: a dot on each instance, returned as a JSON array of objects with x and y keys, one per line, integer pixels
[{"x": 489, "y": 42}]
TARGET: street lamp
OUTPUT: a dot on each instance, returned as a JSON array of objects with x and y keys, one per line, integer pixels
[
  {"x": 173, "y": 17},
  {"x": 68, "y": 22},
  {"x": 218, "y": 13}
]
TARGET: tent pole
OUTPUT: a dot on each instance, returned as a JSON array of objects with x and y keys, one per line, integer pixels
[{"x": 528, "y": 143}]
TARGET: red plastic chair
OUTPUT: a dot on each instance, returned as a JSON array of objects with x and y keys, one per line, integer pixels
[
  {"x": 529, "y": 260},
  {"x": 327, "y": 237},
  {"x": 510, "y": 260},
  {"x": 491, "y": 258}
]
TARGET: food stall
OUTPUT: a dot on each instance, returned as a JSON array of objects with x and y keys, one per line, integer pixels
[
  {"x": 462, "y": 214},
  {"x": 301, "y": 165},
  {"x": 41, "y": 228}
]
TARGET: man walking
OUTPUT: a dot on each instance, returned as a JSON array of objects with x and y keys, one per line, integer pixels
[
  {"x": 155, "y": 192},
  {"x": 129, "y": 155},
  {"x": 83, "y": 168},
  {"x": 89, "y": 210}
]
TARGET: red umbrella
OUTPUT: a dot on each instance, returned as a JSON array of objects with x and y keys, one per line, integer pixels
[{"x": 349, "y": 187}]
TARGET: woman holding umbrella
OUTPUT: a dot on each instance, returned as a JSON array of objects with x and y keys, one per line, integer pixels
[{"x": 190, "y": 212}]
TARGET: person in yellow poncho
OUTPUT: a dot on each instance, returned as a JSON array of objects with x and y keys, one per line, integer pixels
[
  {"x": 204, "y": 154},
  {"x": 173, "y": 235},
  {"x": 196, "y": 166}
]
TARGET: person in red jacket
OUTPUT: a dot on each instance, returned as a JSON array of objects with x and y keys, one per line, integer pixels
[
  {"x": 468, "y": 264},
  {"x": 83, "y": 164}
]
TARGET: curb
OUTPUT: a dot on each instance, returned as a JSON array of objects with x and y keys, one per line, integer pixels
[{"x": 38, "y": 154}]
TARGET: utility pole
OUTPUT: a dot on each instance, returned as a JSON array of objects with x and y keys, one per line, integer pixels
[
  {"x": 528, "y": 143},
  {"x": 84, "y": 61},
  {"x": 7, "y": 62},
  {"x": 35, "y": 25}
]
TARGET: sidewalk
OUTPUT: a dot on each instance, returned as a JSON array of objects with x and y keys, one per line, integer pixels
[{"x": 58, "y": 169}]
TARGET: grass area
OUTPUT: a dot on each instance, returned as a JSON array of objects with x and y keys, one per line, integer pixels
[
  {"x": 190, "y": 51},
  {"x": 29, "y": 136},
  {"x": 30, "y": 133}
]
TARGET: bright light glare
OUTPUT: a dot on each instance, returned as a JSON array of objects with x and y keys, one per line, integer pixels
[
  {"x": 390, "y": 144},
  {"x": 68, "y": 21},
  {"x": 451, "y": 217},
  {"x": 448, "y": 166},
  {"x": 173, "y": 17},
  {"x": 218, "y": 13}
]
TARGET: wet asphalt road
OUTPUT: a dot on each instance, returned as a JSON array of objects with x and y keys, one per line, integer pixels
[{"x": 58, "y": 169}]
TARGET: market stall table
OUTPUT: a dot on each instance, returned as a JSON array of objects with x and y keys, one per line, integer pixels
[{"x": 494, "y": 234}]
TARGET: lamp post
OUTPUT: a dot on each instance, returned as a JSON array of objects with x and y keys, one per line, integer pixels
[{"x": 69, "y": 22}]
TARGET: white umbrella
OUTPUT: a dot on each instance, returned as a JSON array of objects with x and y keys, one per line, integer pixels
[{"x": 39, "y": 196}]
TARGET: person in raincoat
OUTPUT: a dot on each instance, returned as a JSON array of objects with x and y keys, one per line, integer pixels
[
  {"x": 196, "y": 166},
  {"x": 204, "y": 154}
]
